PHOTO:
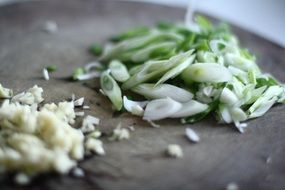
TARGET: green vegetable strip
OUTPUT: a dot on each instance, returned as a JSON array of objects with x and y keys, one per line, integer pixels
[
  {"x": 77, "y": 72},
  {"x": 51, "y": 68},
  {"x": 140, "y": 31},
  {"x": 96, "y": 49}
]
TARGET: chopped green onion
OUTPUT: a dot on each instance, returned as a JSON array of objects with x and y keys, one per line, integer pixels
[
  {"x": 152, "y": 70},
  {"x": 206, "y": 61},
  {"x": 176, "y": 70},
  {"x": 151, "y": 91},
  {"x": 51, "y": 68},
  {"x": 130, "y": 45},
  {"x": 228, "y": 97},
  {"x": 190, "y": 108},
  {"x": 77, "y": 72},
  {"x": 160, "y": 109},
  {"x": 140, "y": 31},
  {"x": 111, "y": 89},
  {"x": 207, "y": 72},
  {"x": 136, "y": 108},
  {"x": 204, "y": 24},
  {"x": 119, "y": 71},
  {"x": 145, "y": 53},
  {"x": 96, "y": 49},
  {"x": 198, "y": 117}
]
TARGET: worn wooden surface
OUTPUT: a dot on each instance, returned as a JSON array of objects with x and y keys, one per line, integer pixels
[{"x": 222, "y": 156}]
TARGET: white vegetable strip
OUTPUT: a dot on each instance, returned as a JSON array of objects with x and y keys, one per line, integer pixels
[
  {"x": 238, "y": 114},
  {"x": 90, "y": 75},
  {"x": 154, "y": 125},
  {"x": 207, "y": 72},
  {"x": 228, "y": 97},
  {"x": 45, "y": 74},
  {"x": 151, "y": 91},
  {"x": 190, "y": 108},
  {"x": 192, "y": 135},
  {"x": 93, "y": 66},
  {"x": 136, "y": 108},
  {"x": 240, "y": 126},
  {"x": 160, "y": 109},
  {"x": 119, "y": 71},
  {"x": 79, "y": 102},
  {"x": 225, "y": 114},
  {"x": 263, "y": 108}
]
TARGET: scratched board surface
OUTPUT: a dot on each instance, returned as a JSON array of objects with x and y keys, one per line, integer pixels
[{"x": 222, "y": 156}]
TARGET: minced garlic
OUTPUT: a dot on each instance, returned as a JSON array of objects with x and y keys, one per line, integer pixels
[
  {"x": 64, "y": 110},
  {"x": 174, "y": 150},
  {"x": 5, "y": 92},
  {"x": 120, "y": 133},
  {"x": 32, "y": 96},
  {"x": 94, "y": 145},
  {"x": 34, "y": 142}
]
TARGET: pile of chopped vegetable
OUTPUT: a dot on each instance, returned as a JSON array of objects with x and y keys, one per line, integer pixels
[{"x": 184, "y": 73}]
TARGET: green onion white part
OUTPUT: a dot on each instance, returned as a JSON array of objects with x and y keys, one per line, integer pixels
[
  {"x": 45, "y": 74},
  {"x": 111, "y": 89},
  {"x": 187, "y": 73},
  {"x": 134, "y": 107},
  {"x": 119, "y": 71},
  {"x": 152, "y": 91},
  {"x": 192, "y": 135},
  {"x": 161, "y": 109}
]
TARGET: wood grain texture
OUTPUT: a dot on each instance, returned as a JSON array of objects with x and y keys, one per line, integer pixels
[{"x": 222, "y": 156}]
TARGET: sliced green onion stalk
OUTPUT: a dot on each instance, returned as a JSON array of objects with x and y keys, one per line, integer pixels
[
  {"x": 161, "y": 109},
  {"x": 111, "y": 89},
  {"x": 77, "y": 72},
  {"x": 139, "y": 31},
  {"x": 273, "y": 92},
  {"x": 176, "y": 70},
  {"x": 207, "y": 72},
  {"x": 51, "y": 68},
  {"x": 134, "y": 107},
  {"x": 190, "y": 108},
  {"x": 228, "y": 97},
  {"x": 198, "y": 117},
  {"x": 188, "y": 74},
  {"x": 152, "y": 91},
  {"x": 131, "y": 45},
  {"x": 153, "y": 70},
  {"x": 224, "y": 114},
  {"x": 96, "y": 49},
  {"x": 238, "y": 114},
  {"x": 119, "y": 71},
  {"x": 145, "y": 53},
  {"x": 206, "y": 57}
]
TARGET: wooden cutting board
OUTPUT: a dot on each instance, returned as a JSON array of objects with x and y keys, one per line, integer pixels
[{"x": 222, "y": 156}]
